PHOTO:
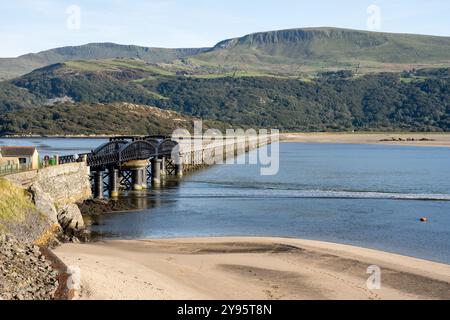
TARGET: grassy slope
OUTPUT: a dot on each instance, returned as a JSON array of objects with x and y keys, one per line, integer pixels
[
  {"x": 13, "y": 67},
  {"x": 19, "y": 217},
  {"x": 14, "y": 203},
  {"x": 307, "y": 50},
  {"x": 115, "y": 65},
  {"x": 276, "y": 52}
]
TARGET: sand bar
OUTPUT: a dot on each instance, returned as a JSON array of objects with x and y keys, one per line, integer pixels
[
  {"x": 248, "y": 268},
  {"x": 420, "y": 139}
]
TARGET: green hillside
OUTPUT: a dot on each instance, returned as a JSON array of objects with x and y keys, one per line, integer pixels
[
  {"x": 80, "y": 97},
  {"x": 96, "y": 119},
  {"x": 13, "y": 67},
  {"x": 292, "y": 52},
  {"x": 311, "y": 49},
  {"x": 103, "y": 81}
]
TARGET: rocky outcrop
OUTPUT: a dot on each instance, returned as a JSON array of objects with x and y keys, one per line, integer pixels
[
  {"x": 44, "y": 203},
  {"x": 97, "y": 207},
  {"x": 70, "y": 218},
  {"x": 54, "y": 191},
  {"x": 67, "y": 218},
  {"x": 24, "y": 272}
]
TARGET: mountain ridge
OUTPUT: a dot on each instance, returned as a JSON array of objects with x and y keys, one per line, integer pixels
[
  {"x": 328, "y": 30},
  {"x": 328, "y": 48},
  {"x": 13, "y": 67},
  {"x": 279, "y": 52}
]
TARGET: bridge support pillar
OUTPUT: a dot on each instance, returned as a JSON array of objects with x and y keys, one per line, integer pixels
[
  {"x": 156, "y": 171},
  {"x": 144, "y": 177},
  {"x": 138, "y": 170},
  {"x": 163, "y": 166},
  {"x": 179, "y": 167},
  {"x": 98, "y": 184},
  {"x": 136, "y": 179},
  {"x": 113, "y": 182}
]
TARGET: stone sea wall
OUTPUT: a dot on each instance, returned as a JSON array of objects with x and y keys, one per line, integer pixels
[
  {"x": 54, "y": 192},
  {"x": 66, "y": 184}
]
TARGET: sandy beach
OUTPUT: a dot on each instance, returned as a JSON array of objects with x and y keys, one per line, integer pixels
[
  {"x": 402, "y": 139},
  {"x": 248, "y": 268}
]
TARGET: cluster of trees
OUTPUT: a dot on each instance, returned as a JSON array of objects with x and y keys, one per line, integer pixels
[
  {"x": 373, "y": 102},
  {"x": 14, "y": 98},
  {"x": 332, "y": 102},
  {"x": 93, "y": 119},
  {"x": 92, "y": 87}
]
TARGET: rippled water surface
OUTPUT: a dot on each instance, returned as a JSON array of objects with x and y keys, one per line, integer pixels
[{"x": 371, "y": 196}]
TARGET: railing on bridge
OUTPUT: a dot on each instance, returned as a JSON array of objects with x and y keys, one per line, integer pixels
[
  {"x": 118, "y": 151},
  {"x": 126, "y": 159},
  {"x": 73, "y": 158},
  {"x": 138, "y": 150}
]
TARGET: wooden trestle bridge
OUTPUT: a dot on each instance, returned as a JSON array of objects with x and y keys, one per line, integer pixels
[{"x": 136, "y": 162}]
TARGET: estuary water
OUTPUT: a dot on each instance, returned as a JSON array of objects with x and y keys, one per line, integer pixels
[{"x": 366, "y": 195}]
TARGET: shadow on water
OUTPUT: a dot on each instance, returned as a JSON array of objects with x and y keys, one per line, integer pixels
[{"x": 142, "y": 201}]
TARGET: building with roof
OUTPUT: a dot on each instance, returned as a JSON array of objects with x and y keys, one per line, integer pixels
[{"x": 22, "y": 157}]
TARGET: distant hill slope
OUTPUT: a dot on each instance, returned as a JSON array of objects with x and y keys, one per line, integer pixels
[
  {"x": 312, "y": 49},
  {"x": 285, "y": 52},
  {"x": 104, "y": 81},
  {"x": 13, "y": 67},
  {"x": 80, "y": 97},
  {"x": 96, "y": 119}
]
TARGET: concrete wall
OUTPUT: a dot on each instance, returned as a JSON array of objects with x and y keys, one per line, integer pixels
[{"x": 66, "y": 184}]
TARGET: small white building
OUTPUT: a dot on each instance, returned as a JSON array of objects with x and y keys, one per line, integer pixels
[{"x": 24, "y": 157}]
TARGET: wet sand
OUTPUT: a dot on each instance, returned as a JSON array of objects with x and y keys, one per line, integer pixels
[
  {"x": 248, "y": 268},
  {"x": 429, "y": 139}
]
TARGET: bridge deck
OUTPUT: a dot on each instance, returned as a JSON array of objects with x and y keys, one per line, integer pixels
[{"x": 120, "y": 150}]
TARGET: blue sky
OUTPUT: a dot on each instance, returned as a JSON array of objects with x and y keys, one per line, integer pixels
[{"x": 35, "y": 25}]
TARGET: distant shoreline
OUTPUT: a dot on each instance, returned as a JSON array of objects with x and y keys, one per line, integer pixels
[
  {"x": 294, "y": 133},
  {"x": 440, "y": 139},
  {"x": 249, "y": 268},
  {"x": 59, "y": 137}
]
